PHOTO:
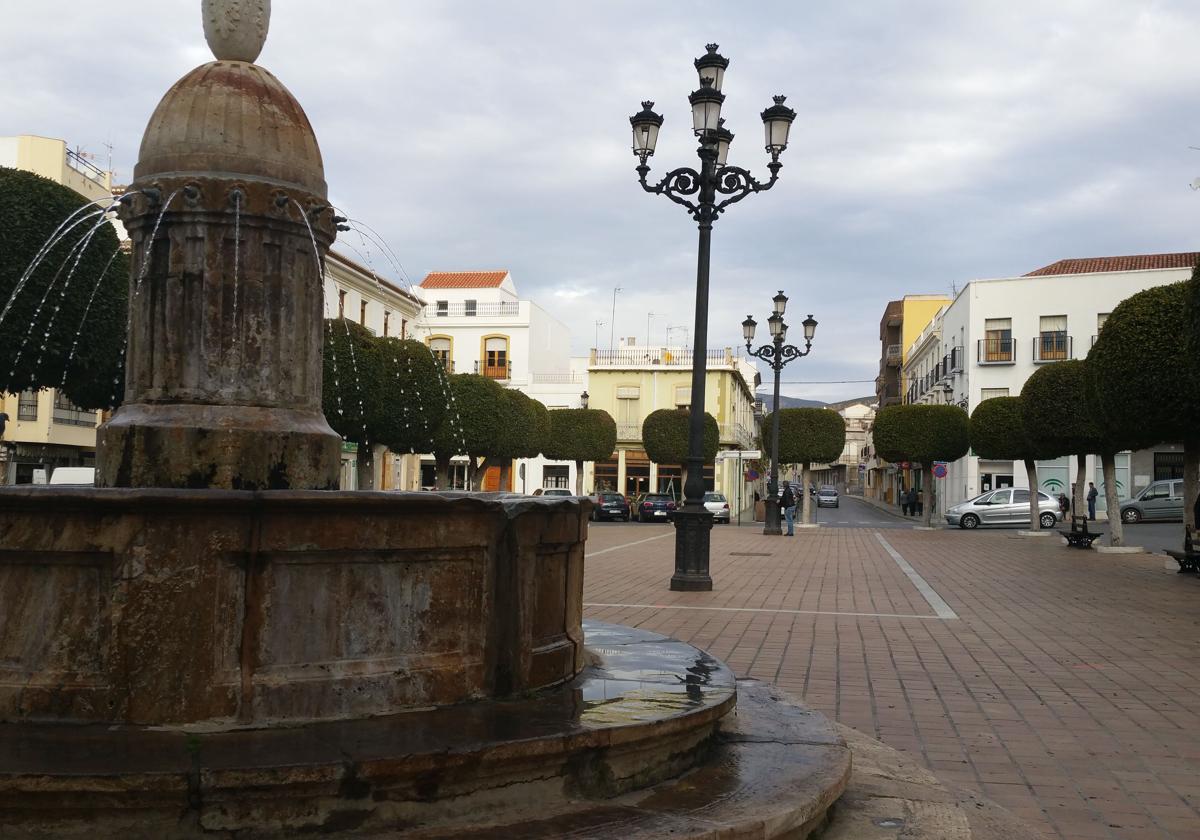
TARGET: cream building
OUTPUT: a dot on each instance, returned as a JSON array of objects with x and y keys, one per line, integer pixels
[
  {"x": 631, "y": 382},
  {"x": 848, "y": 472},
  {"x": 45, "y": 430}
]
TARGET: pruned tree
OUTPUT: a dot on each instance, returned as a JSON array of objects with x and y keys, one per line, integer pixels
[
  {"x": 414, "y": 400},
  {"x": 65, "y": 327},
  {"x": 1144, "y": 385},
  {"x": 922, "y": 433},
  {"x": 471, "y": 423},
  {"x": 522, "y": 434},
  {"x": 353, "y": 383},
  {"x": 665, "y": 436},
  {"x": 579, "y": 435},
  {"x": 998, "y": 433},
  {"x": 807, "y": 435},
  {"x": 1057, "y": 415}
]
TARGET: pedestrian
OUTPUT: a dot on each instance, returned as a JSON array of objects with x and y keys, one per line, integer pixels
[
  {"x": 1064, "y": 505},
  {"x": 919, "y": 502},
  {"x": 1091, "y": 500},
  {"x": 913, "y": 500},
  {"x": 903, "y": 501},
  {"x": 788, "y": 502}
]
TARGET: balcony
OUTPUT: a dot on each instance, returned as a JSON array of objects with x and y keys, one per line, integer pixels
[
  {"x": 678, "y": 357},
  {"x": 501, "y": 371},
  {"x": 893, "y": 355},
  {"x": 485, "y": 309},
  {"x": 556, "y": 378},
  {"x": 996, "y": 351},
  {"x": 1052, "y": 347}
]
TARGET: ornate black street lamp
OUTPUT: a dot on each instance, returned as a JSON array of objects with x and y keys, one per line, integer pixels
[
  {"x": 777, "y": 354},
  {"x": 715, "y": 186}
]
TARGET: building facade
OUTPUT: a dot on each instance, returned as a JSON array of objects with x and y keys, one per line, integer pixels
[
  {"x": 633, "y": 381},
  {"x": 475, "y": 322},
  {"x": 989, "y": 340},
  {"x": 45, "y": 430},
  {"x": 848, "y": 472}
]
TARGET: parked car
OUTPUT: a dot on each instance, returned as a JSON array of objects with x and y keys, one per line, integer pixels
[
  {"x": 610, "y": 506},
  {"x": 827, "y": 496},
  {"x": 1162, "y": 500},
  {"x": 1006, "y": 506},
  {"x": 654, "y": 507},
  {"x": 718, "y": 506},
  {"x": 552, "y": 491}
]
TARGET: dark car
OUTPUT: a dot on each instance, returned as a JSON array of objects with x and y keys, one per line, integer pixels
[
  {"x": 654, "y": 507},
  {"x": 827, "y": 496},
  {"x": 610, "y": 506}
]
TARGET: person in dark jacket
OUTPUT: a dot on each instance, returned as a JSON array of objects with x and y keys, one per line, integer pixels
[
  {"x": 788, "y": 503},
  {"x": 1091, "y": 500}
]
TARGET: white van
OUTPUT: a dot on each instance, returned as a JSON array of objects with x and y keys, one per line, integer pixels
[{"x": 74, "y": 476}]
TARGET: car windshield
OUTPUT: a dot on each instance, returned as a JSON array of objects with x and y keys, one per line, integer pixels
[
  {"x": 611, "y": 497},
  {"x": 713, "y": 497},
  {"x": 827, "y": 491},
  {"x": 656, "y": 497}
]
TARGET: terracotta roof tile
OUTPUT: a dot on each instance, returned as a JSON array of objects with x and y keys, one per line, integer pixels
[
  {"x": 463, "y": 279},
  {"x": 1136, "y": 262}
]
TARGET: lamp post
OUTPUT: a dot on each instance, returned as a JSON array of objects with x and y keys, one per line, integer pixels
[
  {"x": 612, "y": 328},
  {"x": 705, "y": 193},
  {"x": 777, "y": 355},
  {"x": 583, "y": 400}
]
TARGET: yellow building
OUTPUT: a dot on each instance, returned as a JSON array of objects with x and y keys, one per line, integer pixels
[
  {"x": 45, "y": 430},
  {"x": 631, "y": 382}
]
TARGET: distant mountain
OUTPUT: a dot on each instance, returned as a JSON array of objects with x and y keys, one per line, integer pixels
[{"x": 787, "y": 402}]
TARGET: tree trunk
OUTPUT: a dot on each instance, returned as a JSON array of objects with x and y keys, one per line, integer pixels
[
  {"x": 505, "y": 475},
  {"x": 442, "y": 463},
  {"x": 476, "y": 467},
  {"x": 365, "y": 463},
  {"x": 579, "y": 478},
  {"x": 1079, "y": 496},
  {"x": 1116, "y": 528},
  {"x": 1035, "y": 515},
  {"x": 1191, "y": 481},
  {"x": 930, "y": 497},
  {"x": 810, "y": 503}
]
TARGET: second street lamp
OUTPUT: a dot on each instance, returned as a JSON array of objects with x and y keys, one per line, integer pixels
[
  {"x": 705, "y": 193},
  {"x": 777, "y": 354}
]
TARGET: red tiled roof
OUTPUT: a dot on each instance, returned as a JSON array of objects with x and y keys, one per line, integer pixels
[
  {"x": 1137, "y": 262},
  {"x": 463, "y": 279}
]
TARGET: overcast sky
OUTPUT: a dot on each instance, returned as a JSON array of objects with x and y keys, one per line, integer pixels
[{"x": 937, "y": 141}]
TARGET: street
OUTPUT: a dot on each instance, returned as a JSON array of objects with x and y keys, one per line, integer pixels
[{"x": 1061, "y": 684}]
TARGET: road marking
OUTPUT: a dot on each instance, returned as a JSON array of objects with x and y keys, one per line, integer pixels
[
  {"x": 935, "y": 600},
  {"x": 760, "y": 610},
  {"x": 627, "y": 545}
]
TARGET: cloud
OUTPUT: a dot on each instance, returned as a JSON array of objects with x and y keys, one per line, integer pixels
[{"x": 936, "y": 141}]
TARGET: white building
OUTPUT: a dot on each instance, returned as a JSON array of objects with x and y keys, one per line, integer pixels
[
  {"x": 996, "y": 333},
  {"x": 848, "y": 472},
  {"x": 476, "y": 323}
]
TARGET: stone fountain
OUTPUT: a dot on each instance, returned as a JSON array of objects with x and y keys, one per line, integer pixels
[{"x": 214, "y": 642}]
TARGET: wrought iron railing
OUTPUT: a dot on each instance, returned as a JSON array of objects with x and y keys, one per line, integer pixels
[{"x": 996, "y": 351}]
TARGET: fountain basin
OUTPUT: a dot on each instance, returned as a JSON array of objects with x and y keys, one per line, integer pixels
[{"x": 224, "y": 609}]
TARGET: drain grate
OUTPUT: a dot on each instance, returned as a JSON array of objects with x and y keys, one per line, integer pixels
[{"x": 751, "y": 554}]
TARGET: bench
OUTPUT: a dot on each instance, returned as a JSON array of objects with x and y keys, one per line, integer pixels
[
  {"x": 1189, "y": 558},
  {"x": 1079, "y": 536}
]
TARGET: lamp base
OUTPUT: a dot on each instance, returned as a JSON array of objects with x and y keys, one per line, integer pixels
[
  {"x": 772, "y": 526},
  {"x": 692, "y": 540}
]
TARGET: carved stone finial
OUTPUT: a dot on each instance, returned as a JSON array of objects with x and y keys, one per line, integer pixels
[
  {"x": 779, "y": 100},
  {"x": 648, "y": 105},
  {"x": 236, "y": 29},
  {"x": 712, "y": 48}
]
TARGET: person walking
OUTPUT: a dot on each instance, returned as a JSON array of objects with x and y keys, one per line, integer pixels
[
  {"x": 788, "y": 503},
  {"x": 1064, "y": 505},
  {"x": 912, "y": 501},
  {"x": 903, "y": 501},
  {"x": 1091, "y": 500}
]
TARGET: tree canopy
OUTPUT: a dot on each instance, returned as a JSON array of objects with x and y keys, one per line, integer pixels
[
  {"x": 1143, "y": 383},
  {"x": 472, "y": 420},
  {"x": 523, "y": 427},
  {"x": 1055, "y": 412},
  {"x": 418, "y": 392},
  {"x": 807, "y": 435},
  {"x": 581, "y": 434},
  {"x": 79, "y": 290},
  {"x": 665, "y": 436},
  {"x": 353, "y": 382},
  {"x": 998, "y": 432},
  {"x": 919, "y": 432}
]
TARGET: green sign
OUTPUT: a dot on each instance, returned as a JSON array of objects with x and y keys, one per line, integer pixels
[{"x": 350, "y": 447}]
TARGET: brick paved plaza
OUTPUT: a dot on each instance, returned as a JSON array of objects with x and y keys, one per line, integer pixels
[{"x": 1065, "y": 687}]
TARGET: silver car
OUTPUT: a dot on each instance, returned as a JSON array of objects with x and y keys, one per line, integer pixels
[
  {"x": 1006, "y": 506},
  {"x": 718, "y": 506},
  {"x": 1162, "y": 500}
]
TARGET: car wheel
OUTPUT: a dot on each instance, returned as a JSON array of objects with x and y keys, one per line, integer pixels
[
  {"x": 1048, "y": 520},
  {"x": 969, "y": 522},
  {"x": 1131, "y": 516}
]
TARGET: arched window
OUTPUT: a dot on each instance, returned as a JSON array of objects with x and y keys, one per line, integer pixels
[
  {"x": 442, "y": 348},
  {"x": 495, "y": 357}
]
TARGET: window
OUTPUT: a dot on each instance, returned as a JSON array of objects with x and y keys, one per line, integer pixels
[
  {"x": 441, "y": 347},
  {"x": 341, "y": 303},
  {"x": 683, "y": 396},
  {"x": 992, "y": 393},
  {"x": 1168, "y": 465},
  {"x": 27, "y": 405},
  {"x": 555, "y": 475},
  {"x": 443, "y": 307},
  {"x": 629, "y": 392},
  {"x": 1159, "y": 490},
  {"x": 1020, "y": 497},
  {"x": 1101, "y": 319},
  {"x": 495, "y": 357},
  {"x": 404, "y": 328},
  {"x": 66, "y": 413},
  {"x": 469, "y": 308},
  {"x": 387, "y": 316},
  {"x": 362, "y": 313},
  {"x": 997, "y": 341},
  {"x": 1052, "y": 338},
  {"x": 1002, "y": 497}
]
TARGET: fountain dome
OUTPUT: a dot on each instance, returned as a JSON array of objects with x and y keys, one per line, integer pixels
[{"x": 232, "y": 119}]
